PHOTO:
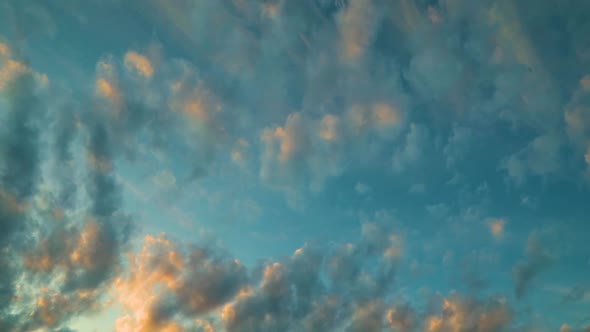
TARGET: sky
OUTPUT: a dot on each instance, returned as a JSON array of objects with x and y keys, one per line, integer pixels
[{"x": 295, "y": 165}]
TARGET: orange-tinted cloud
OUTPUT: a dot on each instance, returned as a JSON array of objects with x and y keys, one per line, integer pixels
[
  {"x": 139, "y": 64},
  {"x": 465, "y": 314},
  {"x": 355, "y": 29},
  {"x": 496, "y": 227},
  {"x": 163, "y": 274}
]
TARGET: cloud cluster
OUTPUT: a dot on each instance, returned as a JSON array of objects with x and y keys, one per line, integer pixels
[
  {"x": 348, "y": 287},
  {"x": 310, "y": 150},
  {"x": 464, "y": 314},
  {"x": 147, "y": 99},
  {"x": 415, "y": 81},
  {"x": 177, "y": 287},
  {"x": 58, "y": 256},
  {"x": 63, "y": 229},
  {"x": 168, "y": 286}
]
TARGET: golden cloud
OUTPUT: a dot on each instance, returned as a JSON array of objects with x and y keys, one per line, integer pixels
[{"x": 139, "y": 64}]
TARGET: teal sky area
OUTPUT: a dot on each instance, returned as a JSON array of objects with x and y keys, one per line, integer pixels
[{"x": 295, "y": 165}]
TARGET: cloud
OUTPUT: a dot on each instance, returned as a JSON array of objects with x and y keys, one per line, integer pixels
[
  {"x": 67, "y": 263},
  {"x": 164, "y": 181},
  {"x": 155, "y": 101},
  {"x": 496, "y": 227},
  {"x": 139, "y": 64},
  {"x": 348, "y": 68},
  {"x": 315, "y": 289},
  {"x": 539, "y": 158},
  {"x": 467, "y": 314},
  {"x": 566, "y": 328},
  {"x": 439, "y": 210},
  {"x": 362, "y": 188},
  {"x": 416, "y": 144},
  {"x": 310, "y": 150},
  {"x": 167, "y": 282},
  {"x": 355, "y": 25},
  {"x": 457, "y": 145},
  {"x": 20, "y": 162},
  {"x": 240, "y": 152},
  {"x": 403, "y": 318},
  {"x": 576, "y": 294},
  {"x": 56, "y": 266},
  {"x": 536, "y": 260}
]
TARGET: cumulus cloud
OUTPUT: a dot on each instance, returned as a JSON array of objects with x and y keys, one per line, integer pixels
[
  {"x": 356, "y": 25},
  {"x": 139, "y": 64},
  {"x": 347, "y": 66},
  {"x": 167, "y": 283},
  {"x": 466, "y": 314},
  {"x": 318, "y": 290},
  {"x": 496, "y": 227},
  {"x": 141, "y": 98},
  {"x": 541, "y": 157},
  {"x": 414, "y": 149},
  {"x": 311, "y": 150}
]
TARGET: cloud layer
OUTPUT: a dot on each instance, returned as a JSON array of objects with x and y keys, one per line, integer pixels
[{"x": 297, "y": 117}]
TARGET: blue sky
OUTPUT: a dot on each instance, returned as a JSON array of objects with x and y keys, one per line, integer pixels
[{"x": 279, "y": 165}]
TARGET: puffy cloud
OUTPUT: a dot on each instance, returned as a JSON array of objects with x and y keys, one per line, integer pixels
[
  {"x": 368, "y": 316},
  {"x": 151, "y": 100},
  {"x": 240, "y": 152},
  {"x": 457, "y": 145},
  {"x": 356, "y": 25},
  {"x": 318, "y": 290},
  {"x": 416, "y": 144},
  {"x": 311, "y": 149},
  {"x": 566, "y": 328},
  {"x": 536, "y": 260},
  {"x": 167, "y": 283},
  {"x": 463, "y": 64},
  {"x": 139, "y": 63},
  {"x": 496, "y": 227},
  {"x": 541, "y": 157},
  {"x": 402, "y": 318},
  {"x": 164, "y": 181},
  {"x": 465, "y": 314}
]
